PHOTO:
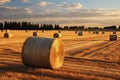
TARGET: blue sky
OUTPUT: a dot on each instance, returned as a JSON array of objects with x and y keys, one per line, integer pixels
[{"x": 63, "y": 12}]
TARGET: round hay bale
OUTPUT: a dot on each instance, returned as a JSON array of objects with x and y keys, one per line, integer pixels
[
  {"x": 26, "y": 30},
  {"x": 80, "y": 33},
  {"x": 113, "y": 37},
  {"x": 7, "y": 30},
  {"x": 2, "y": 30},
  {"x": 59, "y": 31},
  {"x": 7, "y": 35},
  {"x": 96, "y": 32},
  {"x": 43, "y": 52},
  {"x": 114, "y": 32},
  {"x": 35, "y": 34},
  {"x": 42, "y": 31},
  {"x": 76, "y": 32},
  {"x": 103, "y": 32},
  {"x": 57, "y": 35}
]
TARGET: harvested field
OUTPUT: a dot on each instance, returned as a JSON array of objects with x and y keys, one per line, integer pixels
[{"x": 87, "y": 57}]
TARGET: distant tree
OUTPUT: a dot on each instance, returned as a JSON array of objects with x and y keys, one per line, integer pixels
[
  {"x": 66, "y": 28},
  {"x": 76, "y": 28},
  {"x": 57, "y": 27},
  {"x": 81, "y": 27},
  {"x": 19, "y": 27},
  {"x": 113, "y": 27},
  {"x": 1, "y": 26},
  {"x": 5, "y": 25},
  {"x": 93, "y": 28},
  {"x": 73, "y": 28},
  {"x": 50, "y": 27},
  {"x": 25, "y": 25}
]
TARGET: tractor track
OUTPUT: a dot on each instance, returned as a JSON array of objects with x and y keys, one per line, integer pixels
[
  {"x": 92, "y": 67},
  {"x": 72, "y": 50},
  {"x": 74, "y": 62}
]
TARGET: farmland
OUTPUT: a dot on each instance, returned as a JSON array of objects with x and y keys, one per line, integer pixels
[{"x": 87, "y": 57}]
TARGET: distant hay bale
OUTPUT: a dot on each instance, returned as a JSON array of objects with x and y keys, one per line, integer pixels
[
  {"x": 76, "y": 32},
  {"x": 43, "y": 52},
  {"x": 80, "y": 33},
  {"x": 26, "y": 30},
  {"x": 7, "y": 30},
  {"x": 93, "y": 32},
  {"x": 113, "y": 37},
  {"x": 2, "y": 30},
  {"x": 114, "y": 32},
  {"x": 96, "y": 32},
  {"x": 59, "y": 31},
  {"x": 57, "y": 35},
  {"x": 103, "y": 32},
  {"x": 35, "y": 34},
  {"x": 42, "y": 31},
  {"x": 7, "y": 35}
]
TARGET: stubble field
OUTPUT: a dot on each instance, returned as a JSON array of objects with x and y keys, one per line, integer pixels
[{"x": 87, "y": 57}]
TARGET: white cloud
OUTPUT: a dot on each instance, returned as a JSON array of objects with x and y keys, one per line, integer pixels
[
  {"x": 112, "y": 13},
  {"x": 84, "y": 17},
  {"x": 25, "y": 1},
  {"x": 4, "y": 1},
  {"x": 74, "y": 6},
  {"x": 60, "y": 16},
  {"x": 13, "y": 12},
  {"x": 27, "y": 10},
  {"x": 42, "y": 3}
]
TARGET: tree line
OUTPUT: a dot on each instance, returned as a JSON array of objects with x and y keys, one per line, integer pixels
[
  {"x": 106, "y": 28},
  {"x": 32, "y": 26},
  {"x": 27, "y": 26}
]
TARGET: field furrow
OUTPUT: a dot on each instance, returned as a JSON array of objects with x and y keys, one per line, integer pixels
[{"x": 87, "y": 57}]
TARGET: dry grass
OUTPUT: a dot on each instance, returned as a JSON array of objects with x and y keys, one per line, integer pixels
[{"x": 88, "y": 57}]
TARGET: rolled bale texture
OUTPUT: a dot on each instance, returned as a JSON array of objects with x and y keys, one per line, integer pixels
[
  {"x": 35, "y": 34},
  {"x": 7, "y": 35},
  {"x": 113, "y": 37},
  {"x": 57, "y": 35},
  {"x": 80, "y": 33},
  {"x": 43, "y": 52}
]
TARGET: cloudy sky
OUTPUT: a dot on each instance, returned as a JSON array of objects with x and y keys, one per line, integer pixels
[{"x": 63, "y": 12}]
